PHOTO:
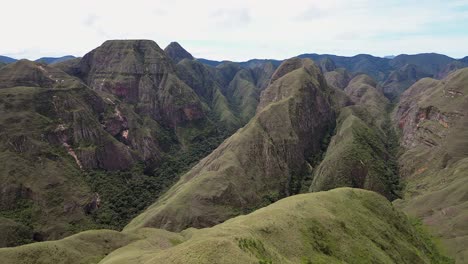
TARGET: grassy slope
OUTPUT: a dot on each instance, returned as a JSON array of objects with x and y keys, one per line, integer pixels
[
  {"x": 256, "y": 165},
  {"x": 351, "y": 225},
  {"x": 357, "y": 155},
  {"x": 86, "y": 247},
  {"x": 434, "y": 163}
]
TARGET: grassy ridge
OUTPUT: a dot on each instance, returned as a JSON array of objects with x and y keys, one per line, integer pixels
[
  {"x": 361, "y": 153},
  {"x": 351, "y": 225}
]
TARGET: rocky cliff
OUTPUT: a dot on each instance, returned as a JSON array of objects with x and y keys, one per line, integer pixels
[{"x": 432, "y": 116}]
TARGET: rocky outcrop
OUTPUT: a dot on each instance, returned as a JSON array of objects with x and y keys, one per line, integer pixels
[
  {"x": 175, "y": 51},
  {"x": 53, "y": 129},
  {"x": 433, "y": 120},
  {"x": 263, "y": 161},
  {"x": 139, "y": 72}
]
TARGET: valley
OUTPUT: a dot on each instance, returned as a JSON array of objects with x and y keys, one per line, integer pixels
[{"x": 137, "y": 154}]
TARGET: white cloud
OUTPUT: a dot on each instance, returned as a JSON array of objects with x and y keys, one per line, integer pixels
[{"x": 237, "y": 30}]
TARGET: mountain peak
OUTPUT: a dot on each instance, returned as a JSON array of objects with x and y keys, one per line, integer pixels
[
  {"x": 290, "y": 65},
  {"x": 177, "y": 53}
]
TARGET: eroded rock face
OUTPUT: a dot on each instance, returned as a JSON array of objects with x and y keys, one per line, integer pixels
[
  {"x": 263, "y": 161},
  {"x": 139, "y": 72},
  {"x": 433, "y": 119}
]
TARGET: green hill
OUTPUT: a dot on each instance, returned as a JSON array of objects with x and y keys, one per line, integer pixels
[{"x": 350, "y": 225}]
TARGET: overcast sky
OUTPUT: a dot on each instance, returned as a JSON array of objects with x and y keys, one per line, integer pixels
[{"x": 237, "y": 30}]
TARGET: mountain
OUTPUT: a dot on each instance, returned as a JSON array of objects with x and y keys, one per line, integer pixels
[
  {"x": 430, "y": 63},
  {"x": 293, "y": 115},
  {"x": 399, "y": 80},
  {"x": 358, "y": 155},
  {"x": 95, "y": 139},
  {"x": 349, "y": 225},
  {"x": 212, "y": 63},
  {"x": 52, "y": 60},
  {"x": 203, "y": 81},
  {"x": 432, "y": 116},
  {"x": 7, "y": 60},
  {"x": 464, "y": 60},
  {"x": 254, "y": 63},
  {"x": 138, "y": 72},
  {"x": 376, "y": 67},
  {"x": 177, "y": 53},
  {"x": 223, "y": 158},
  {"x": 52, "y": 129}
]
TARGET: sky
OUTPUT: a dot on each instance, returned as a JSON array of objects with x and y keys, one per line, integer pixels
[{"x": 238, "y": 30}]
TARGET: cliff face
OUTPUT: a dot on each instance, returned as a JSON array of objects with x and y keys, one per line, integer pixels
[
  {"x": 263, "y": 161},
  {"x": 432, "y": 116},
  {"x": 52, "y": 128},
  {"x": 138, "y": 72}
]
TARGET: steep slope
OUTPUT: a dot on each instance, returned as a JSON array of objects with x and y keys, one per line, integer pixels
[
  {"x": 338, "y": 78},
  {"x": 175, "y": 51},
  {"x": 261, "y": 162},
  {"x": 401, "y": 79},
  {"x": 230, "y": 91},
  {"x": 202, "y": 80},
  {"x": 138, "y": 72},
  {"x": 52, "y": 127},
  {"x": 106, "y": 150},
  {"x": 349, "y": 225},
  {"x": 358, "y": 154},
  {"x": 433, "y": 119}
]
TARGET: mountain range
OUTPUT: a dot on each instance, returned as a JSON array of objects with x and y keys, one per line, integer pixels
[{"x": 135, "y": 154}]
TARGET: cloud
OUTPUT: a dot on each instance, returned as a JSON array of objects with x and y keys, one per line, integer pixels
[
  {"x": 90, "y": 20},
  {"x": 239, "y": 30},
  {"x": 232, "y": 18}
]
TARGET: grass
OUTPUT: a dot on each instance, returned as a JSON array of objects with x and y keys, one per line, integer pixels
[
  {"x": 361, "y": 153},
  {"x": 341, "y": 225}
]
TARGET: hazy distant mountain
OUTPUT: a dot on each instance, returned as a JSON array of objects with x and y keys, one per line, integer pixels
[
  {"x": 6, "y": 59},
  {"x": 389, "y": 56},
  {"x": 212, "y": 63},
  {"x": 430, "y": 63},
  {"x": 52, "y": 60}
]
